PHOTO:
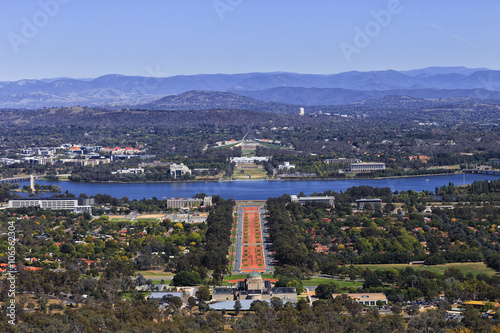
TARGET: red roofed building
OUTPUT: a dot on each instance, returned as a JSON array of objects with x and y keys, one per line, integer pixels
[
  {"x": 31, "y": 268},
  {"x": 321, "y": 248}
]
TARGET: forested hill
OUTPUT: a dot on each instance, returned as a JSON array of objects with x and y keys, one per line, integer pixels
[
  {"x": 229, "y": 109},
  {"x": 91, "y": 117},
  {"x": 204, "y": 100}
]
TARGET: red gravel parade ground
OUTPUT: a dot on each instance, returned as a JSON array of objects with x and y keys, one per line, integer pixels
[{"x": 252, "y": 248}]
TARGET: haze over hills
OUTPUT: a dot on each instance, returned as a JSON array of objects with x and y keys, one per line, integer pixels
[
  {"x": 116, "y": 91},
  {"x": 336, "y": 96},
  {"x": 205, "y": 100}
]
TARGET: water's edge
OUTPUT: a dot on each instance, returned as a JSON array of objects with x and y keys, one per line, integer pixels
[{"x": 259, "y": 189}]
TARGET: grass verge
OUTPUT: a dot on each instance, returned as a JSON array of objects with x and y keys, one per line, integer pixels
[{"x": 468, "y": 267}]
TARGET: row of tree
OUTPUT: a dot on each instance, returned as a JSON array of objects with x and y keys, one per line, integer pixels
[
  {"x": 213, "y": 255},
  {"x": 288, "y": 250}
]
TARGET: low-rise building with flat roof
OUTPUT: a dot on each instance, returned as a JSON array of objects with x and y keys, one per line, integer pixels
[
  {"x": 366, "y": 299},
  {"x": 360, "y": 203},
  {"x": 179, "y": 170},
  {"x": 248, "y": 160},
  {"x": 286, "y": 165},
  {"x": 165, "y": 296},
  {"x": 77, "y": 205},
  {"x": 129, "y": 171},
  {"x": 341, "y": 160},
  {"x": 478, "y": 304},
  {"x": 367, "y": 167},
  {"x": 325, "y": 199},
  {"x": 188, "y": 202},
  {"x": 230, "y": 305}
]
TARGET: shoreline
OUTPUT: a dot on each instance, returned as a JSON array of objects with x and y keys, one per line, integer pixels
[
  {"x": 254, "y": 180},
  {"x": 258, "y": 190}
]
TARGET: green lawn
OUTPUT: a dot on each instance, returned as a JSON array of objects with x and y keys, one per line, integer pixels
[
  {"x": 256, "y": 173},
  {"x": 314, "y": 282},
  {"x": 119, "y": 220},
  {"x": 472, "y": 267},
  {"x": 147, "y": 220},
  {"x": 232, "y": 248},
  {"x": 159, "y": 282},
  {"x": 248, "y": 152},
  {"x": 129, "y": 295},
  {"x": 270, "y": 145},
  {"x": 156, "y": 275}
]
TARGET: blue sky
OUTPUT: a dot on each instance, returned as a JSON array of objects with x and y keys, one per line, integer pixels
[{"x": 89, "y": 38}]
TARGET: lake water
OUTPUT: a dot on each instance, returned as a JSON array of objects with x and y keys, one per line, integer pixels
[{"x": 258, "y": 189}]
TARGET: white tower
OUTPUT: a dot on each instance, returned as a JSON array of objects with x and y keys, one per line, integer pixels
[{"x": 301, "y": 111}]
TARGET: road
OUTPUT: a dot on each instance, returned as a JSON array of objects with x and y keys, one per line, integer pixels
[
  {"x": 266, "y": 241},
  {"x": 20, "y": 178},
  {"x": 239, "y": 241}
]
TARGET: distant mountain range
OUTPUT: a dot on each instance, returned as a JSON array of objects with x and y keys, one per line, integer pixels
[
  {"x": 255, "y": 90},
  {"x": 336, "y": 96}
]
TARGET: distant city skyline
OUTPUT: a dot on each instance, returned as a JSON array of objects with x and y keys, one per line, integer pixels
[{"x": 68, "y": 38}]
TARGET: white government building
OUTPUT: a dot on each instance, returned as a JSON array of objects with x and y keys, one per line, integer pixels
[
  {"x": 368, "y": 166},
  {"x": 77, "y": 205}
]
